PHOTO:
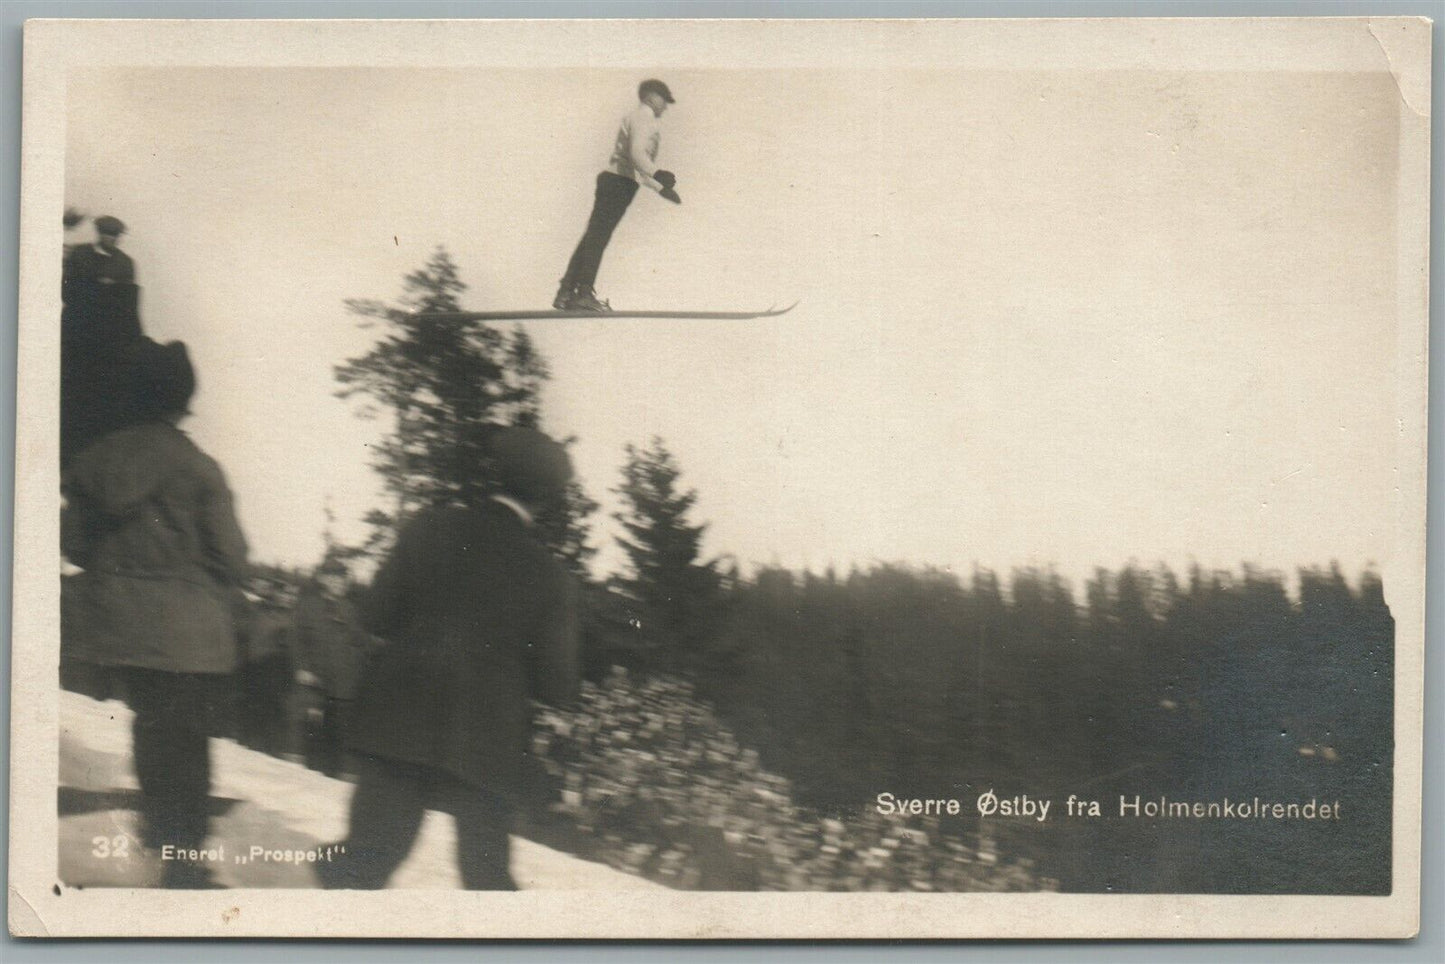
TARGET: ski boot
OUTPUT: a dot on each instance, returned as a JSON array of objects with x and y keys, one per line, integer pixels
[
  {"x": 565, "y": 294},
  {"x": 585, "y": 299}
]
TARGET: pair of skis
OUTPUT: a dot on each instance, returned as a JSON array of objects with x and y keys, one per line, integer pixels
[{"x": 540, "y": 315}]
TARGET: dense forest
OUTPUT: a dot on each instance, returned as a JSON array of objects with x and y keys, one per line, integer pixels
[{"x": 922, "y": 684}]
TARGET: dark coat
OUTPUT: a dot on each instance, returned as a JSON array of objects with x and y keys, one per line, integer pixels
[
  {"x": 149, "y": 518},
  {"x": 87, "y": 262},
  {"x": 98, "y": 327},
  {"x": 480, "y": 619}
]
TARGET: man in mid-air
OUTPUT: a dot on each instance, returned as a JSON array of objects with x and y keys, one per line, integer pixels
[{"x": 633, "y": 162}]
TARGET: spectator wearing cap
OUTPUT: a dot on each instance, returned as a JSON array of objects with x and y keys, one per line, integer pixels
[
  {"x": 149, "y": 519},
  {"x": 331, "y": 650},
  {"x": 99, "y": 323},
  {"x": 102, "y": 262},
  {"x": 633, "y": 162},
  {"x": 266, "y": 676},
  {"x": 479, "y": 619}
]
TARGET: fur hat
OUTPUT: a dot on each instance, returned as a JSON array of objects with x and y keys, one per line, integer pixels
[
  {"x": 161, "y": 378},
  {"x": 529, "y": 464}
]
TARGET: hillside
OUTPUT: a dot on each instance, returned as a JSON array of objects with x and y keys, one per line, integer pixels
[{"x": 257, "y": 800}]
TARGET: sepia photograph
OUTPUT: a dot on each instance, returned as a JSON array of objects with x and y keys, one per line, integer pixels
[{"x": 721, "y": 479}]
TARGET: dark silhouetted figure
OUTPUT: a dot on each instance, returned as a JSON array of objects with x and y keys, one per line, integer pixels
[
  {"x": 480, "y": 620},
  {"x": 267, "y": 673},
  {"x": 330, "y": 650},
  {"x": 149, "y": 518},
  {"x": 102, "y": 262},
  {"x": 99, "y": 323}
]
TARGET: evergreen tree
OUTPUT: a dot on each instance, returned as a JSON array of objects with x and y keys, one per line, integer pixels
[
  {"x": 564, "y": 529},
  {"x": 675, "y": 597},
  {"x": 448, "y": 383}
]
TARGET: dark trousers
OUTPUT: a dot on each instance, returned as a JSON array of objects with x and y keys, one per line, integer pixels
[
  {"x": 325, "y": 736},
  {"x": 263, "y": 686},
  {"x": 173, "y": 714},
  {"x": 386, "y": 813},
  {"x": 614, "y": 194}
]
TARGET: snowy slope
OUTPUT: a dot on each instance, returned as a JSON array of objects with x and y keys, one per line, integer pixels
[{"x": 257, "y": 801}]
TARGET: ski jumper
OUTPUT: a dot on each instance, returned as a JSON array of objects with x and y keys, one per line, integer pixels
[{"x": 633, "y": 162}]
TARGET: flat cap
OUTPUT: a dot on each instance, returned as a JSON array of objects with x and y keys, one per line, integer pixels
[
  {"x": 654, "y": 86},
  {"x": 105, "y": 224}
]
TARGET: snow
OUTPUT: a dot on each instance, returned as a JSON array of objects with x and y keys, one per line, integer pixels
[{"x": 267, "y": 802}]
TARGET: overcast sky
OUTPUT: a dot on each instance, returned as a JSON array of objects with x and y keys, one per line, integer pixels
[{"x": 1063, "y": 318}]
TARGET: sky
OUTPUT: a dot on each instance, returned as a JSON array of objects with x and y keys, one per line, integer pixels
[{"x": 1063, "y": 319}]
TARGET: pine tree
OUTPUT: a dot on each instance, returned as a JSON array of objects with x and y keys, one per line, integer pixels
[
  {"x": 564, "y": 530},
  {"x": 675, "y": 597},
  {"x": 448, "y": 383}
]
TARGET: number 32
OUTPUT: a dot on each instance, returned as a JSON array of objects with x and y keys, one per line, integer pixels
[{"x": 110, "y": 847}]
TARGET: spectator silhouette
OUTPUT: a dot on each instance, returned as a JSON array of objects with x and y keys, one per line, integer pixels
[
  {"x": 102, "y": 262},
  {"x": 480, "y": 619},
  {"x": 267, "y": 673},
  {"x": 99, "y": 323},
  {"x": 149, "y": 519},
  {"x": 331, "y": 650}
]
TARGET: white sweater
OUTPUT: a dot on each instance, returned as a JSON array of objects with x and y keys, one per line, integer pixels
[{"x": 634, "y": 154}]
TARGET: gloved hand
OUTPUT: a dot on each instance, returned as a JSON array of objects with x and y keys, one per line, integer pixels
[
  {"x": 667, "y": 179},
  {"x": 671, "y": 195}
]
